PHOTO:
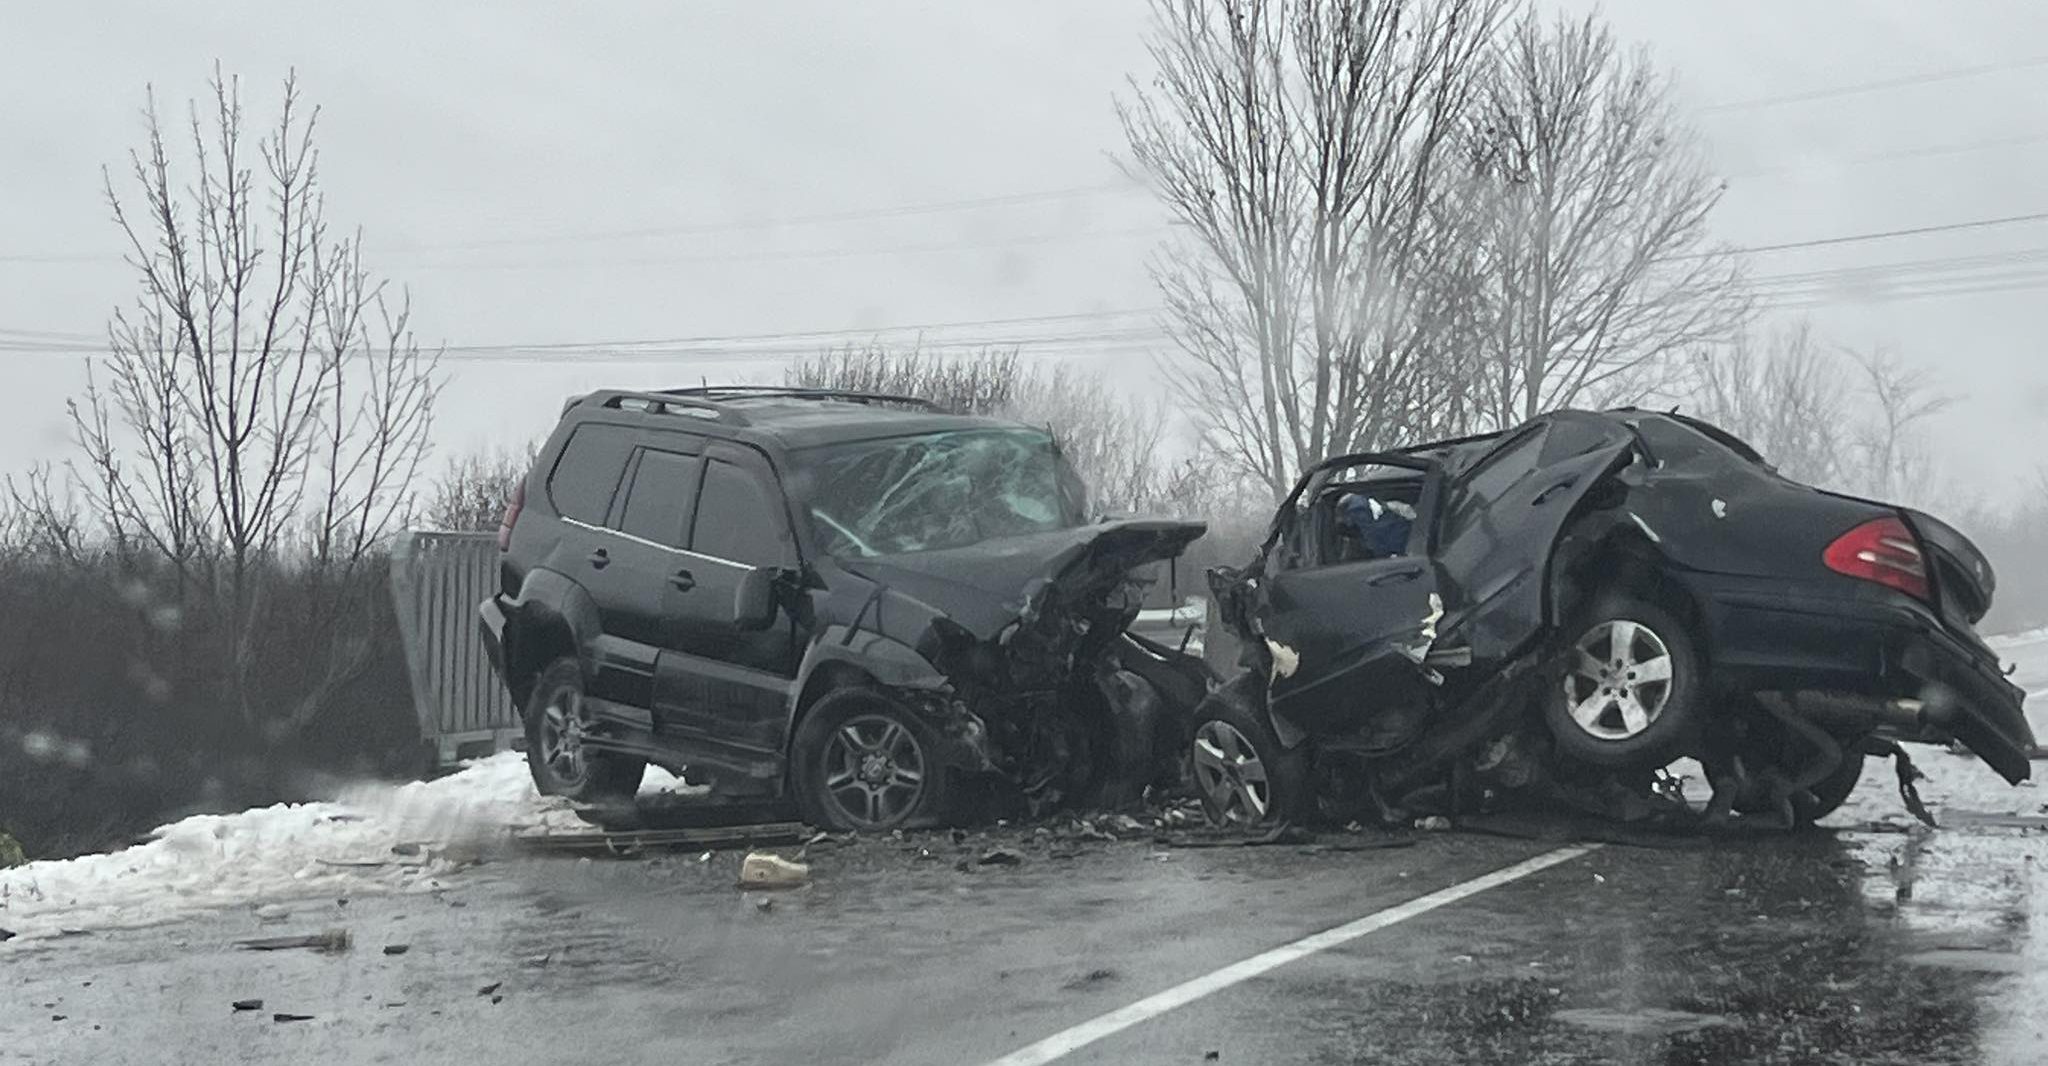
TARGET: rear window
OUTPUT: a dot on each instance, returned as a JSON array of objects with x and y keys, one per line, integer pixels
[
  {"x": 587, "y": 475},
  {"x": 1676, "y": 439}
]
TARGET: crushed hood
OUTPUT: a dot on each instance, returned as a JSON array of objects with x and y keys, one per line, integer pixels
[{"x": 985, "y": 587}]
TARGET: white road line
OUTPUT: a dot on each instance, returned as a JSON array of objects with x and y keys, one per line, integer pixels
[{"x": 1068, "y": 1041}]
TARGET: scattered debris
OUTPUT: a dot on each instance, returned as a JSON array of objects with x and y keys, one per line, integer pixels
[
  {"x": 537, "y": 962},
  {"x": 760, "y": 901},
  {"x": 248, "y": 1004},
  {"x": 495, "y": 1000},
  {"x": 1211, "y": 1055},
  {"x": 331, "y": 941},
  {"x": 397, "y": 949},
  {"x": 6, "y": 935},
  {"x": 1435, "y": 823},
  {"x": 999, "y": 857},
  {"x": 405, "y": 848},
  {"x": 1090, "y": 979},
  {"x": 763, "y": 869},
  {"x": 628, "y": 841},
  {"x": 490, "y": 989},
  {"x": 283, "y": 1017},
  {"x": 272, "y": 912},
  {"x": 59, "y": 1017}
]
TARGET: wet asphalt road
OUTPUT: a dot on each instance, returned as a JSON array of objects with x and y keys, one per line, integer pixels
[{"x": 1875, "y": 943}]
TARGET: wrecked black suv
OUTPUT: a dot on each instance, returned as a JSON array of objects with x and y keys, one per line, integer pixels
[
  {"x": 1565, "y": 608},
  {"x": 883, "y": 613}
]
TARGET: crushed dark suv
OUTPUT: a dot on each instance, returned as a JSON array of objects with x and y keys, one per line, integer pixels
[{"x": 883, "y": 613}]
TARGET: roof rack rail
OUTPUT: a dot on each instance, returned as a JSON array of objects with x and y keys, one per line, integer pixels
[
  {"x": 662, "y": 403},
  {"x": 714, "y": 393}
]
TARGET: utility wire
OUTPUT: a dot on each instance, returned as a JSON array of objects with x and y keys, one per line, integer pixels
[{"x": 1860, "y": 88}]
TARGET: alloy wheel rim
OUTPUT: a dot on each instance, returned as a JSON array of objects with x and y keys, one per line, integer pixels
[
  {"x": 1619, "y": 681},
  {"x": 874, "y": 771},
  {"x": 561, "y": 739},
  {"x": 1230, "y": 773}
]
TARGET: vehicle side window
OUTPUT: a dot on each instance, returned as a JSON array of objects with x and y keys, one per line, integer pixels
[
  {"x": 587, "y": 475},
  {"x": 739, "y": 518},
  {"x": 663, "y": 492},
  {"x": 1489, "y": 480}
]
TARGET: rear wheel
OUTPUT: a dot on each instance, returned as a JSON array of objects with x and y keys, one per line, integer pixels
[
  {"x": 1243, "y": 774},
  {"x": 1832, "y": 791},
  {"x": 558, "y": 726},
  {"x": 1631, "y": 691}
]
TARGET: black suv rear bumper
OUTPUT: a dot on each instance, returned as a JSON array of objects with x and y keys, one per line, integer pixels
[
  {"x": 491, "y": 626},
  {"x": 1770, "y": 635}
]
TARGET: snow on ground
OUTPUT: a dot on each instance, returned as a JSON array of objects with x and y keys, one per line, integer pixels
[
  {"x": 2014, "y": 640},
  {"x": 369, "y": 838}
]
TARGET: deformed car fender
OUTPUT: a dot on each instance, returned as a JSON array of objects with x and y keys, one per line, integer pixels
[{"x": 547, "y": 602}]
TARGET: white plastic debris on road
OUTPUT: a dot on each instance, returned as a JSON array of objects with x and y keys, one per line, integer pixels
[{"x": 370, "y": 838}]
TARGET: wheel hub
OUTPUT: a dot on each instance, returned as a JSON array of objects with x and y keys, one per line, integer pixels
[
  {"x": 1619, "y": 681},
  {"x": 874, "y": 771},
  {"x": 1230, "y": 773}
]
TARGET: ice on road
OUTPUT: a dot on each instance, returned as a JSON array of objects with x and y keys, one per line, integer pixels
[{"x": 369, "y": 838}]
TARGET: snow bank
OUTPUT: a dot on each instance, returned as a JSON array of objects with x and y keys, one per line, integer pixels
[
  {"x": 370, "y": 838},
  {"x": 2015, "y": 640}
]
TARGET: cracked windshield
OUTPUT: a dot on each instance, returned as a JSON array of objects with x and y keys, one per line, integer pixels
[
  {"x": 940, "y": 490},
  {"x": 1411, "y": 532}
]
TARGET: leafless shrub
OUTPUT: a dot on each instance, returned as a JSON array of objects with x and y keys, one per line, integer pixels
[{"x": 471, "y": 491}]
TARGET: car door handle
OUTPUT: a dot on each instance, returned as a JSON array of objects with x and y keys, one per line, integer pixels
[
  {"x": 600, "y": 559},
  {"x": 683, "y": 580},
  {"x": 1394, "y": 577},
  {"x": 1544, "y": 496}
]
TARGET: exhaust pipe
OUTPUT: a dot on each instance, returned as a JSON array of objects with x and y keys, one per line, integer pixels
[{"x": 1905, "y": 714}]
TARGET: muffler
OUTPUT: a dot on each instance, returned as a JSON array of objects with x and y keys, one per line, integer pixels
[{"x": 1901, "y": 713}]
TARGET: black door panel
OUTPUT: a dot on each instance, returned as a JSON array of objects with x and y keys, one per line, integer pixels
[
  {"x": 721, "y": 683},
  {"x": 1346, "y": 641}
]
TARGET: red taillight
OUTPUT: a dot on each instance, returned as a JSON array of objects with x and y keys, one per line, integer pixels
[
  {"x": 512, "y": 508},
  {"x": 1881, "y": 550}
]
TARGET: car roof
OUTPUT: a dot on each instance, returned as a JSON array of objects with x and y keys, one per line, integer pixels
[{"x": 793, "y": 421}]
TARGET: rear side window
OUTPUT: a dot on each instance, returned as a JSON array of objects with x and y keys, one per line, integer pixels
[
  {"x": 587, "y": 475},
  {"x": 737, "y": 519},
  {"x": 659, "y": 501}
]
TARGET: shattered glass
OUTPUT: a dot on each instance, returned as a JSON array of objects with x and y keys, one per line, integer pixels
[{"x": 938, "y": 490}]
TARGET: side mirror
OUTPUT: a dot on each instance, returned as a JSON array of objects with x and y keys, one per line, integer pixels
[{"x": 753, "y": 599}]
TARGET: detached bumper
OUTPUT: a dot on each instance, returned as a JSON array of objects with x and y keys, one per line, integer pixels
[{"x": 1770, "y": 636}]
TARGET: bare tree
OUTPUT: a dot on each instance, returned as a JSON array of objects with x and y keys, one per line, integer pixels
[
  {"x": 1598, "y": 262},
  {"x": 1304, "y": 147},
  {"x": 1894, "y": 462},
  {"x": 1783, "y": 393},
  {"x": 263, "y": 394},
  {"x": 472, "y": 489},
  {"x": 981, "y": 382}
]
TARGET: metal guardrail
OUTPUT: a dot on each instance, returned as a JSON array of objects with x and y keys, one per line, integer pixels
[{"x": 437, "y": 581}]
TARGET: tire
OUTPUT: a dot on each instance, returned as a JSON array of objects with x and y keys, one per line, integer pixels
[
  {"x": 1245, "y": 778},
  {"x": 863, "y": 762},
  {"x": 1829, "y": 792},
  {"x": 1610, "y": 707},
  {"x": 555, "y": 725}
]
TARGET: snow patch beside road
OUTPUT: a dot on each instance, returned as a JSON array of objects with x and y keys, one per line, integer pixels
[{"x": 370, "y": 838}]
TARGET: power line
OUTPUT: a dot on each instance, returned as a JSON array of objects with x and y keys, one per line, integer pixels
[
  {"x": 1859, "y": 88},
  {"x": 1907, "y": 153},
  {"x": 808, "y": 254},
  {"x": 1858, "y": 238},
  {"x": 690, "y": 229}
]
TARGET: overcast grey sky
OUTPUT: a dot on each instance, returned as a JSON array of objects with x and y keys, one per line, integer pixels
[{"x": 540, "y": 175}]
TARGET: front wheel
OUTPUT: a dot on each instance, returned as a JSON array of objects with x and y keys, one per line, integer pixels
[
  {"x": 864, "y": 762},
  {"x": 1631, "y": 694},
  {"x": 1243, "y": 774}
]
